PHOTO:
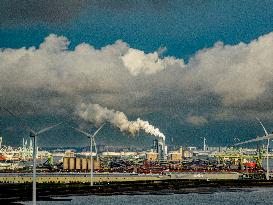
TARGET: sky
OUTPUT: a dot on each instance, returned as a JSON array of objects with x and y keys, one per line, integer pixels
[{"x": 192, "y": 69}]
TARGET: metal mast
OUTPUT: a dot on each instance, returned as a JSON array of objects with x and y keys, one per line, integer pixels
[{"x": 204, "y": 144}]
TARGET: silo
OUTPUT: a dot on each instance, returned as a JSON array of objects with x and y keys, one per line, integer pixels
[
  {"x": 88, "y": 164},
  {"x": 78, "y": 163},
  {"x": 84, "y": 164},
  {"x": 72, "y": 163},
  {"x": 66, "y": 163},
  {"x": 96, "y": 164}
]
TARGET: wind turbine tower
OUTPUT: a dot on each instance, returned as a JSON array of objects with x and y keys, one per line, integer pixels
[
  {"x": 34, "y": 135},
  {"x": 92, "y": 140}
]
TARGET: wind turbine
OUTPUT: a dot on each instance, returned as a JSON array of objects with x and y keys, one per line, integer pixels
[
  {"x": 92, "y": 139},
  {"x": 267, "y": 148},
  {"x": 266, "y": 137},
  {"x": 34, "y": 135}
]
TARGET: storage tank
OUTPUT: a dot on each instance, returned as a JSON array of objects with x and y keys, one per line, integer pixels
[
  {"x": 66, "y": 163},
  {"x": 96, "y": 164},
  {"x": 78, "y": 163},
  {"x": 84, "y": 164},
  {"x": 72, "y": 163},
  {"x": 88, "y": 164}
]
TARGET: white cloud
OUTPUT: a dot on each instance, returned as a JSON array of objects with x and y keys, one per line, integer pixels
[
  {"x": 196, "y": 120},
  {"x": 127, "y": 79},
  {"x": 138, "y": 62},
  {"x": 237, "y": 73}
]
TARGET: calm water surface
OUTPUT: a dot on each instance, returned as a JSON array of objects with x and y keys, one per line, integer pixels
[{"x": 242, "y": 196}]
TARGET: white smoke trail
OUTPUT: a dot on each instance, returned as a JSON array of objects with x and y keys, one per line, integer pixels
[{"x": 97, "y": 114}]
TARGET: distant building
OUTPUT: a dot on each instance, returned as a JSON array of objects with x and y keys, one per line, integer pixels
[
  {"x": 120, "y": 154},
  {"x": 160, "y": 148},
  {"x": 155, "y": 145},
  {"x": 192, "y": 148},
  {"x": 187, "y": 153},
  {"x": 152, "y": 156},
  {"x": 216, "y": 149},
  {"x": 69, "y": 153},
  {"x": 175, "y": 156}
]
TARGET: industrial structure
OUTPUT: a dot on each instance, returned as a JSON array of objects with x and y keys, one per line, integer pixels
[
  {"x": 160, "y": 148},
  {"x": 156, "y": 163},
  {"x": 79, "y": 164}
]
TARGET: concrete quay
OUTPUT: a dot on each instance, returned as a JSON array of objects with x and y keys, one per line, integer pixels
[{"x": 22, "y": 178}]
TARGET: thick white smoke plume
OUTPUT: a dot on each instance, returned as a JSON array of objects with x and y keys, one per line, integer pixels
[{"x": 97, "y": 114}]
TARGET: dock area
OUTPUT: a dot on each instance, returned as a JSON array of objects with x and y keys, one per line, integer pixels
[{"x": 22, "y": 178}]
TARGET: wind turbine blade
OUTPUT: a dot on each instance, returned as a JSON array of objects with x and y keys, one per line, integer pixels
[
  {"x": 83, "y": 132},
  {"x": 95, "y": 145},
  {"x": 248, "y": 141},
  {"x": 87, "y": 134},
  {"x": 48, "y": 128},
  {"x": 22, "y": 123},
  {"x": 98, "y": 129},
  {"x": 262, "y": 126},
  {"x": 270, "y": 136}
]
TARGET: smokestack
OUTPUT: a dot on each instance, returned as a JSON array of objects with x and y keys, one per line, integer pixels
[{"x": 155, "y": 145}]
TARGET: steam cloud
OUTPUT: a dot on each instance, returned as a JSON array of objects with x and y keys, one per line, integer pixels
[{"x": 97, "y": 114}]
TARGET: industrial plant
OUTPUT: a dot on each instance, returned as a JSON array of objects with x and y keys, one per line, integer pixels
[
  {"x": 70, "y": 165},
  {"x": 29, "y": 164}
]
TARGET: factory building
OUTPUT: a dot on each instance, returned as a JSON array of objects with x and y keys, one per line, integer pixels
[
  {"x": 160, "y": 148},
  {"x": 152, "y": 156},
  {"x": 216, "y": 149},
  {"x": 120, "y": 154},
  {"x": 155, "y": 145},
  {"x": 175, "y": 156},
  {"x": 180, "y": 154},
  {"x": 187, "y": 153},
  {"x": 79, "y": 164}
]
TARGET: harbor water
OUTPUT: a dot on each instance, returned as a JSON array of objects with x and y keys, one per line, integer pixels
[{"x": 243, "y": 196}]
